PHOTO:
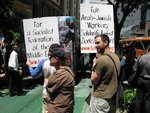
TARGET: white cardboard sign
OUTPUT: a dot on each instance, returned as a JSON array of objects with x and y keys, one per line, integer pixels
[
  {"x": 95, "y": 19},
  {"x": 39, "y": 34}
]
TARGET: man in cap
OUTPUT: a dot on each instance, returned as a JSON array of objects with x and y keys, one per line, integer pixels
[
  {"x": 47, "y": 70},
  {"x": 60, "y": 85}
]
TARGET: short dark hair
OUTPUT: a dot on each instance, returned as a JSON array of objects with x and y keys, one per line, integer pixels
[{"x": 104, "y": 37}]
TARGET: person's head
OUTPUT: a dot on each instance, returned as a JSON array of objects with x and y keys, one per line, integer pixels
[
  {"x": 130, "y": 53},
  {"x": 57, "y": 57},
  {"x": 15, "y": 47},
  {"x": 101, "y": 43}
]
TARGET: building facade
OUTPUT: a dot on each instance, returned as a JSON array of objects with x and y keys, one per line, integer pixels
[{"x": 42, "y": 8}]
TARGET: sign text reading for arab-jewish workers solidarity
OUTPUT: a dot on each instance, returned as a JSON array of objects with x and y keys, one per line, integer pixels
[{"x": 95, "y": 19}]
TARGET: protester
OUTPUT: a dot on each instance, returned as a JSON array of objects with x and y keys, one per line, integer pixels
[
  {"x": 60, "y": 85},
  {"x": 14, "y": 77},
  {"x": 104, "y": 77},
  {"x": 142, "y": 103},
  {"x": 130, "y": 60},
  {"x": 46, "y": 70}
]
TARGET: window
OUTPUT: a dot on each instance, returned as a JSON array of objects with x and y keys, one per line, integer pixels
[
  {"x": 53, "y": 12},
  {"x": 57, "y": 1},
  {"x": 67, "y": 4},
  {"x": 48, "y": 10},
  {"x": 42, "y": 9}
]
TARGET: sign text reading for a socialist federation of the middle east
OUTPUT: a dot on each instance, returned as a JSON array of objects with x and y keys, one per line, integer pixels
[{"x": 39, "y": 34}]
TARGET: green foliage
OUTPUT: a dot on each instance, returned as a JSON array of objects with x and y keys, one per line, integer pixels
[
  {"x": 126, "y": 7},
  {"x": 6, "y": 9},
  {"x": 129, "y": 99},
  {"x": 8, "y": 22}
]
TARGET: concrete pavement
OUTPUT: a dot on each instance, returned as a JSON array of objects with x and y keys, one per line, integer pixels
[
  {"x": 31, "y": 102},
  {"x": 82, "y": 90}
]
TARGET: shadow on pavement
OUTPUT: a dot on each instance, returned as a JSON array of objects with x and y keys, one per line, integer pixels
[{"x": 28, "y": 83}]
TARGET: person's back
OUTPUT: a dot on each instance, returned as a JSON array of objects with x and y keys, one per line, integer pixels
[
  {"x": 142, "y": 65},
  {"x": 107, "y": 85},
  {"x": 60, "y": 85},
  {"x": 62, "y": 96}
]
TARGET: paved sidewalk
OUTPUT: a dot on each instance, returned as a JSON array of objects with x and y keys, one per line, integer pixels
[
  {"x": 29, "y": 103},
  {"x": 32, "y": 101},
  {"x": 82, "y": 90}
]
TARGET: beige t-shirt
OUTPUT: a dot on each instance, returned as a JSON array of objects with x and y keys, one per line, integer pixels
[{"x": 105, "y": 68}]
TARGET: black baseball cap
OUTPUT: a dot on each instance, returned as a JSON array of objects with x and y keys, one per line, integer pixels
[
  {"x": 55, "y": 45},
  {"x": 58, "y": 52}
]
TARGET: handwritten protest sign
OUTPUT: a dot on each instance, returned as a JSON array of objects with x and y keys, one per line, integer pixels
[
  {"x": 39, "y": 34},
  {"x": 95, "y": 19}
]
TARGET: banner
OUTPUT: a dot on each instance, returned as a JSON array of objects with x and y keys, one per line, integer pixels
[
  {"x": 95, "y": 19},
  {"x": 39, "y": 34}
]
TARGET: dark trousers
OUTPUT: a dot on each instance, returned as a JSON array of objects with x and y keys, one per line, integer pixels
[
  {"x": 142, "y": 103},
  {"x": 14, "y": 81}
]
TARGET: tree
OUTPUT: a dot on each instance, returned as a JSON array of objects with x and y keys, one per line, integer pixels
[
  {"x": 126, "y": 6},
  {"x": 8, "y": 21}
]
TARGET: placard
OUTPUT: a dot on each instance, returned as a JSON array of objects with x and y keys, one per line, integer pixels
[
  {"x": 95, "y": 19},
  {"x": 39, "y": 34}
]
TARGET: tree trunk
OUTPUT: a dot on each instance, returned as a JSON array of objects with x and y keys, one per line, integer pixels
[{"x": 117, "y": 36}]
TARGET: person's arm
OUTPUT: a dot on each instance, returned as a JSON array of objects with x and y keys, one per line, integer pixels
[
  {"x": 35, "y": 72},
  {"x": 94, "y": 78},
  {"x": 122, "y": 62}
]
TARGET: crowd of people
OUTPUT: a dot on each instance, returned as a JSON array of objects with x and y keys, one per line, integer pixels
[{"x": 59, "y": 82}]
